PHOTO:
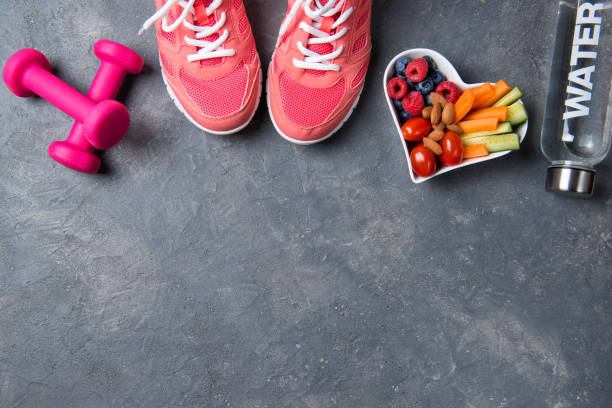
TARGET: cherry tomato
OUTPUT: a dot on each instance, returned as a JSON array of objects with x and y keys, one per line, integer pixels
[
  {"x": 416, "y": 129},
  {"x": 452, "y": 149},
  {"x": 423, "y": 161}
]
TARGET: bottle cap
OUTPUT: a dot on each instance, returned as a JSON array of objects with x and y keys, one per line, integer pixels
[{"x": 570, "y": 180}]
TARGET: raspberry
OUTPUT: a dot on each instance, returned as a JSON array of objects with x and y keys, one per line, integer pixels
[
  {"x": 425, "y": 86},
  {"x": 413, "y": 103},
  {"x": 416, "y": 71},
  {"x": 449, "y": 90},
  {"x": 397, "y": 88},
  {"x": 401, "y": 113}
]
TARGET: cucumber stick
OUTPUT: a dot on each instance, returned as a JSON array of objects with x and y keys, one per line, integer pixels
[
  {"x": 517, "y": 113},
  {"x": 495, "y": 143},
  {"x": 509, "y": 98},
  {"x": 503, "y": 127}
]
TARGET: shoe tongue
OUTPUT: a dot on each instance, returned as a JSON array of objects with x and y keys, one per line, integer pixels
[
  {"x": 200, "y": 11},
  {"x": 206, "y": 21},
  {"x": 202, "y": 19},
  {"x": 324, "y": 2},
  {"x": 320, "y": 49}
]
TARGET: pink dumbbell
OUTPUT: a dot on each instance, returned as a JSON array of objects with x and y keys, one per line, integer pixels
[
  {"x": 28, "y": 73},
  {"x": 116, "y": 62}
]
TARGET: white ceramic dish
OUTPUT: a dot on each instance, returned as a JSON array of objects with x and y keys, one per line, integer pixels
[{"x": 451, "y": 74}]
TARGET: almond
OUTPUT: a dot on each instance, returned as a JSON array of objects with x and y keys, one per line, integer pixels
[
  {"x": 433, "y": 146},
  {"x": 436, "y": 114},
  {"x": 455, "y": 128},
  {"x": 437, "y": 98},
  {"x": 436, "y": 135},
  {"x": 440, "y": 126},
  {"x": 448, "y": 114},
  {"x": 426, "y": 112}
]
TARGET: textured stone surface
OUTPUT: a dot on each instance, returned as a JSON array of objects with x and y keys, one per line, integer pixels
[{"x": 242, "y": 271}]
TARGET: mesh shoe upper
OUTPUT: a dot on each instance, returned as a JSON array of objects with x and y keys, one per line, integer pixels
[
  {"x": 309, "y": 104},
  {"x": 305, "y": 106},
  {"x": 220, "y": 93}
]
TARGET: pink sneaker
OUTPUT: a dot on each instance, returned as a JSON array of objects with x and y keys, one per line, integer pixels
[
  {"x": 318, "y": 69},
  {"x": 209, "y": 61}
]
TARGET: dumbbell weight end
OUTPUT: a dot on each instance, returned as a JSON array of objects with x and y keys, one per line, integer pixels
[{"x": 74, "y": 158}]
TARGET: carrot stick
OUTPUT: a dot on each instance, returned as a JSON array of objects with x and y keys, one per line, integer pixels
[
  {"x": 485, "y": 93},
  {"x": 500, "y": 88},
  {"x": 479, "y": 150},
  {"x": 479, "y": 125},
  {"x": 464, "y": 104},
  {"x": 501, "y": 113},
  {"x": 481, "y": 90}
]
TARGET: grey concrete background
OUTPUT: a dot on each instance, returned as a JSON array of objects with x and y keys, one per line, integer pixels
[{"x": 205, "y": 271}]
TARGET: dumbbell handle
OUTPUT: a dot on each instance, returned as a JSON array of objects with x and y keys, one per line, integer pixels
[
  {"x": 105, "y": 86},
  {"x": 57, "y": 92},
  {"x": 108, "y": 79},
  {"x": 107, "y": 82}
]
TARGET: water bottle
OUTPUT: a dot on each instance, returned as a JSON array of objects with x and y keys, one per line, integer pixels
[{"x": 577, "y": 126}]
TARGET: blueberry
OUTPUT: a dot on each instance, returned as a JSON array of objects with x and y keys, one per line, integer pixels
[
  {"x": 430, "y": 62},
  {"x": 404, "y": 116},
  {"x": 401, "y": 113},
  {"x": 437, "y": 78},
  {"x": 400, "y": 66},
  {"x": 425, "y": 86},
  {"x": 398, "y": 105},
  {"x": 411, "y": 85}
]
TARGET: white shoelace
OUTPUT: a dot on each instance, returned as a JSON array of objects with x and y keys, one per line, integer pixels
[
  {"x": 207, "y": 49},
  {"x": 313, "y": 60}
]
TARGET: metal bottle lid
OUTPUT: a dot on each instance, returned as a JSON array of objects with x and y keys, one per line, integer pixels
[{"x": 570, "y": 180}]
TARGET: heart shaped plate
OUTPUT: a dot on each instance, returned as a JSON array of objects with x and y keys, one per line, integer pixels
[{"x": 449, "y": 71}]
